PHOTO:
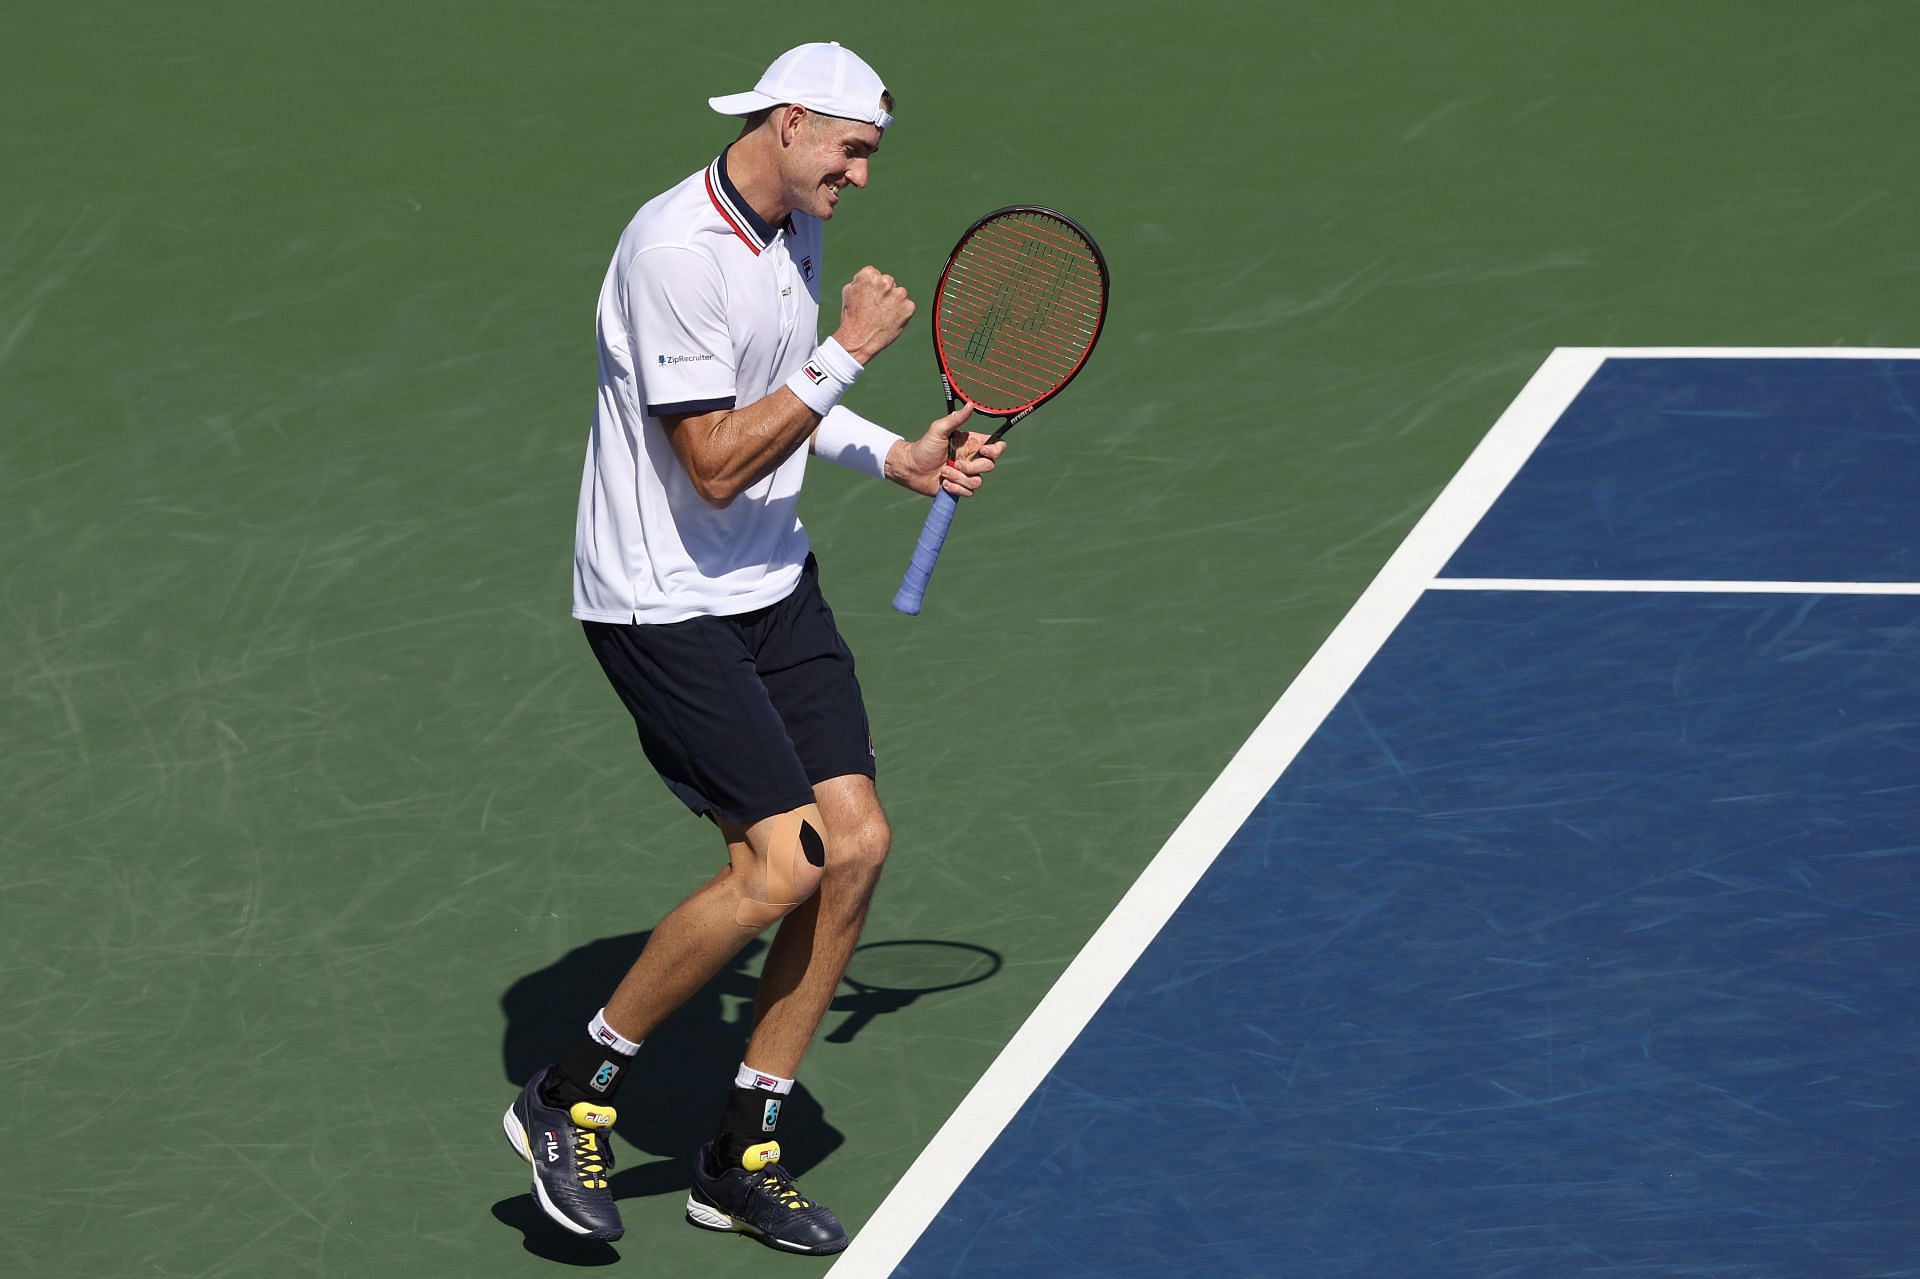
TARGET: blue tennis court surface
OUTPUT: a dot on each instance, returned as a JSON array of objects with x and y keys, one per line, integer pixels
[
  {"x": 1800, "y": 470},
  {"x": 1580, "y": 936}
]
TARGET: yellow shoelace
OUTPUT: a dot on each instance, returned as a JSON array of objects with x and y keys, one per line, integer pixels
[
  {"x": 784, "y": 1191},
  {"x": 587, "y": 1159}
]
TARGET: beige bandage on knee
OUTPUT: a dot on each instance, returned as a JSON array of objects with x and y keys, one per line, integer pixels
[{"x": 792, "y": 860}]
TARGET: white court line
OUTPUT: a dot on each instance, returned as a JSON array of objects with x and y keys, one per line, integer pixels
[
  {"x": 1676, "y": 587},
  {"x": 1167, "y": 880},
  {"x": 1052, "y": 1026}
]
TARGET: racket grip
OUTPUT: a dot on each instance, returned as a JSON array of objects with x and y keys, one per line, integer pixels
[{"x": 926, "y": 552}]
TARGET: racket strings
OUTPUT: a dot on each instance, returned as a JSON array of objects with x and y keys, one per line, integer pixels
[
  {"x": 996, "y": 293},
  {"x": 1019, "y": 309},
  {"x": 989, "y": 298}
]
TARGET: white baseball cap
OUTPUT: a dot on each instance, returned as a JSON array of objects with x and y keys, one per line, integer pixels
[{"x": 820, "y": 77}]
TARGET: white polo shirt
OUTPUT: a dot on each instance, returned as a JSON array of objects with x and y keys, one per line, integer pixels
[{"x": 705, "y": 307}]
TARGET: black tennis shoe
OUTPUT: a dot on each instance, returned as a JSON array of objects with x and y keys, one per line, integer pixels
[
  {"x": 571, "y": 1160},
  {"x": 757, "y": 1197}
]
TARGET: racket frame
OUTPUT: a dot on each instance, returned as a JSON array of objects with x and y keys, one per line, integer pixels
[
  {"x": 1013, "y": 415},
  {"x": 933, "y": 534}
]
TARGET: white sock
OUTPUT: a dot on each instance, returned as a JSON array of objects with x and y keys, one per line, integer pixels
[
  {"x": 601, "y": 1033},
  {"x": 760, "y": 1080}
]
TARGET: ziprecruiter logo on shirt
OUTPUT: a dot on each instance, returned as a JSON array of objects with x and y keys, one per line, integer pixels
[{"x": 683, "y": 359}]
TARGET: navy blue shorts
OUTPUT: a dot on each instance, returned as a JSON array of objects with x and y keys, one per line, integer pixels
[{"x": 742, "y": 715}]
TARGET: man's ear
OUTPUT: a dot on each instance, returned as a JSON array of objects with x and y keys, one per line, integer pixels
[{"x": 793, "y": 118}]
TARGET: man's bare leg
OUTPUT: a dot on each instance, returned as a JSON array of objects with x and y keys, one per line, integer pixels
[
  {"x": 696, "y": 940},
  {"x": 810, "y": 954}
]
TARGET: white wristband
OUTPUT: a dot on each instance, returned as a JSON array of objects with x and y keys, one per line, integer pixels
[
  {"x": 826, "y": 375},
  {"x": 847, "y": 439}
]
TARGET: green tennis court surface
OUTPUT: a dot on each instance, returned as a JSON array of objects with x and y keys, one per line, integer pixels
[{"x": 317, "y": 814}]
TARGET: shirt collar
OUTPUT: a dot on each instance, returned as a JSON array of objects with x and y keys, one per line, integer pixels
[{"x": 755, "y": 230}]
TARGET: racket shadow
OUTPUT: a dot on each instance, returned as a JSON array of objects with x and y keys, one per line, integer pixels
[
  {"x": 887, "y": 976},
  {"x": 671, "y": 1102}
]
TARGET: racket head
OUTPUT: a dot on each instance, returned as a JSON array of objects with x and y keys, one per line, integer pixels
[{"x": 1018, "y": 309}]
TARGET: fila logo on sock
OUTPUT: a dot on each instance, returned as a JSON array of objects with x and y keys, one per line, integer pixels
[
  {"x": 815, "y": 374},
  {"x": 603, "y": 1077},
  {"x": 605, "y": 1034},
  {"x": 770, "y": 1118}
]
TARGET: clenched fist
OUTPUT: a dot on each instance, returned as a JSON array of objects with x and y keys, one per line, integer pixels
[{"x": 873, "y": 312}]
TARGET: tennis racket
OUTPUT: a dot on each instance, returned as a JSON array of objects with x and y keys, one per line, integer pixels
[{"x": 1015, "y": 317}]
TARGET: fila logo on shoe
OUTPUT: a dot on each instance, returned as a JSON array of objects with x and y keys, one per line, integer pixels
[{"x": 552, "y": 1140}]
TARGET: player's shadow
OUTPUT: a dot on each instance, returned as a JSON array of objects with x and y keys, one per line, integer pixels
[{"x": 671, "y": 1101}]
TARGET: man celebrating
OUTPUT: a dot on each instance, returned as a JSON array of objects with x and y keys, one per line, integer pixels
[{"x": 700, "y": 598}]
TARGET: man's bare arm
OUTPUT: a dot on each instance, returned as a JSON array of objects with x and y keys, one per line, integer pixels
[{"x": 728, "y": 451}]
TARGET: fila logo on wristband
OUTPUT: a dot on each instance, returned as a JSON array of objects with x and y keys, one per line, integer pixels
[{"x": 827, "y": 373}]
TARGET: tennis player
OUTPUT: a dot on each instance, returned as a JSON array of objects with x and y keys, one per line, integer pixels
[{"x": 702, "y": 602}]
